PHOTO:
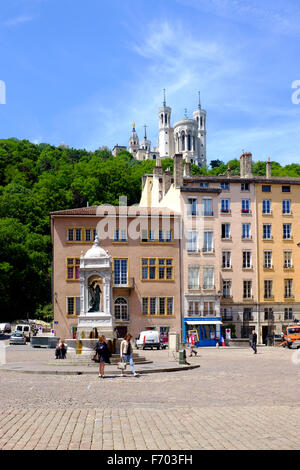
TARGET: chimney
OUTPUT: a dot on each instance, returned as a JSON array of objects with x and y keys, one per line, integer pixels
[
  {"x": 166, "y": 181},
  {"x": 246, "y": 165},
  {"x": 228, "y": 171},
  {"x": 178, "y": 170},
  {"x": 268, "y": 168},
  {"x": 157, "y": 170},
  {"x": 187, "y": 167}
]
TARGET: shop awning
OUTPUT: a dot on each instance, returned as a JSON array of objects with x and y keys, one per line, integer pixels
[{"x": 207, "y": 322}]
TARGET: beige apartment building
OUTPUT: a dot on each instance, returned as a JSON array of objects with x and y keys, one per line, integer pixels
[{"x": 145, "y": 267}]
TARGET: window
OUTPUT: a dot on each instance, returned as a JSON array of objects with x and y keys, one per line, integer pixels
[
  {"x": 225, "y": 229},
  {"x": 288, "y": 313},
  {"x": 286, "y": 206},
  {"x": 247, "y": 289},
  {"x": 193, "y": 277},
  {"x": 73, "y": 306},
  {"x": 73, "y": 265},
  {"x": 225, "y": 205},
  {"x": 225, "y": 186},
  {"x": 266, "y": 206},
  {"x": 287, "y": 228},
  {"x": 246, "y": 231},
  {"x": 78, "y": 233},
  {"x": 247, "y": 314},
  {"x": 267, "y": 230},
  {"x": 245, "y": 206},
  {"x": 87, "y": 235},
  {"x": 120, "y": 236},
  {"x": 121, "y": 309},
  {"x": 148, "y": 236},
  {"x": 70, "y": 236},
  {"x": 194, "y": 308},
  {"x": 287, "y": 259},
  {"x": 226, "y": 289},
  {"x": 120, "y": 271},
  {"x": 208, "y": 308},
  {"x": 208, "y": 278},
  {"x": 286, "y": 189},
  {"x": 203, "y": 185},
  {"x": 157, "y": 306},
  {"x": 192, "y": 242},
  {"x": 269, "y": 315},
  {"x": 154, "y": 269},
  {"x": 245, "y": 187},
  {"x": 268, "y": 259},
  {"x": 247, "y": 259},
  {"x": 192, "y": 206},
  {"x": 207, "y": 207},
  {"x": 268, "y": 289},
  {"x": 226, "y": 314},
  {"x": 208, "y": 242},
  {"x": 288, "y": 288},
  {"x": 226, "y": 259},
  {"x": 266, "y": 188}
]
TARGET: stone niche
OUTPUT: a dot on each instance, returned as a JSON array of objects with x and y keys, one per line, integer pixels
[{"x": 95, "y": 294}]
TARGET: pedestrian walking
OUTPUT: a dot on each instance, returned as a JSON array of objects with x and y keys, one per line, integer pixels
[
  {"x": 126, "y": 353},
  {"x": 103, "y": 354},
  {"x": 254, "y": 341},
  {"x": 191, "y": 341}
]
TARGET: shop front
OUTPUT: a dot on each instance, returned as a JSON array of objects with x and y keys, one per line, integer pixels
[{"x": 207, "y": 330}]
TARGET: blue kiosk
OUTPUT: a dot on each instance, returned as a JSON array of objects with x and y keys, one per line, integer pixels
[{"x": 207, "y": 330}]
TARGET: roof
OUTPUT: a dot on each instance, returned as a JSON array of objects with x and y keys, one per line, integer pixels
[{"x": 103, "y": 210}]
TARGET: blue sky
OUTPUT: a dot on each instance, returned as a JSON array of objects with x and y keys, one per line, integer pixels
[{"x": 81, "y": 72}]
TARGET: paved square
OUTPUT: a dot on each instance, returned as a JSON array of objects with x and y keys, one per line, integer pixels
[{"x": 235, "y": 400}]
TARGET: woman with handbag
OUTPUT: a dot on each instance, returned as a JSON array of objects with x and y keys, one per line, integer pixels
[
  {"x": 103, "y": 354},
  {"x": 126, "y": 353}
]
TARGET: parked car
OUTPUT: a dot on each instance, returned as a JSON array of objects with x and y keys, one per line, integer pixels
[
  {"x": 148, "y": 339},
  {"x": 24, "y": 329},
  {"x": 5, "y": 328},
  {"x": 17, "y": 338},
  {"x": 292, "y": 336}
]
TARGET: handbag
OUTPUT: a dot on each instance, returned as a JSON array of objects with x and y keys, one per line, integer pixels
[{"x": 122, "y": 365}]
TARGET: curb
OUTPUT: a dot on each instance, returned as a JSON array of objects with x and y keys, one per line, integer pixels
[{"x": 71, "y": 372}]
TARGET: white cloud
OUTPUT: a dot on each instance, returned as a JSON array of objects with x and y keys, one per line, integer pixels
[{"x": 17, "y": 20}]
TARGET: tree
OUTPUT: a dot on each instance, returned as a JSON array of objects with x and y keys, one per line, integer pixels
[{"x": 216, "y": 163}]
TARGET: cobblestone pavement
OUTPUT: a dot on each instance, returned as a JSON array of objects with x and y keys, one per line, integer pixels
[{"x": 235, "y": 400}]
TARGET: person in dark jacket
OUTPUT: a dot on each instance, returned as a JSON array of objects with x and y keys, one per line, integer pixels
[
  {"x": 254, "y": 341},
  {"x": 103, "y": 354}
]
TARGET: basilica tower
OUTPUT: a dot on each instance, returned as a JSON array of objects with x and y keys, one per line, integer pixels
[
  {"x": 133, "y": 141},
  {"x": 200, "y": 116},
  {"x": 165, "y": 138}
]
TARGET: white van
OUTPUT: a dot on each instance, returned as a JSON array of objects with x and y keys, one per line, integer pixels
[
  {"x": 25, "y": 329},
  {"x": 148, "y": 339}
]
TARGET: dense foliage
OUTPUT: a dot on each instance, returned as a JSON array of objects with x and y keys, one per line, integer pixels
[{"x": 38, "y": 179}]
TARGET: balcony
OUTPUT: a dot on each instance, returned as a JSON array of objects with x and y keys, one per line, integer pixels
[
  {"x": 129, "y": 285},
  {"x": 226, "y": 318},
  {"x": 225, "y": 211}
]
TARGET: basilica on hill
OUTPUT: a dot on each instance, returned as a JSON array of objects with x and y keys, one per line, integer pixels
[{"x": 187, "y": 136}]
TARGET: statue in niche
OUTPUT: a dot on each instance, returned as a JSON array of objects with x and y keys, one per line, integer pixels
[{"x": 94, "y": 296}]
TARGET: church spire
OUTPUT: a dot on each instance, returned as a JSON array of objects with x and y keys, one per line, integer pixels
[
  {"x": 145, "y": 136},
  {"x": 164, "y": 95},
  {"x": 199, "y": 101}
]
